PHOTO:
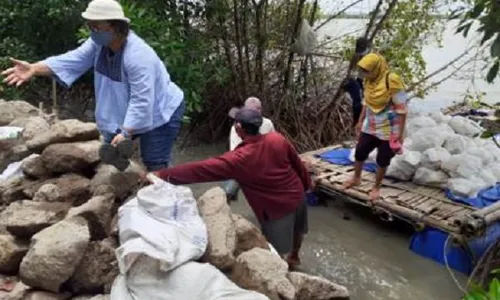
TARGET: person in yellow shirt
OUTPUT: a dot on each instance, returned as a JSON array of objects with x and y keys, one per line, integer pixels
[{"x": 383, "y": 118}]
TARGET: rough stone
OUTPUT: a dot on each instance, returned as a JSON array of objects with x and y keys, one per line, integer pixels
[
  {"x": 248, "y": 236},
  {"x": 47, "y": 193},
  {"x": 264, "y": 272},
  {"x": 66, "y": 131},
  {"x": 221, "y": 233},
  {"x": 54, "y": 254},
  {"x": 97, "y": 211},
  {"x": 12, "y": 151},
  {"x": 71, "y": 157},
  {"x": 32, "y": 126},
  {"x": 25, "y": 218},
  {"x": 96, "y": 297},
  {"x": 12, "y": 252},
  {"x": 73, "y": 188},
  {"x": 11, "y": 189},
  {"x": 120, "y": 183},
  {"x": 11, "y": 110},
  {"x": 39, "y": 295},
  {"x": 98, "y": 268},
  {"x": 313, "y": 287},
  {"x": 33, "y": 167}
]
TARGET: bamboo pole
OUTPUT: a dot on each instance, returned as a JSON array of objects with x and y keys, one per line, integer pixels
[{"x": 487, "y": 210}]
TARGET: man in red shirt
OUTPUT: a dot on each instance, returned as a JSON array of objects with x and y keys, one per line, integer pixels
[{"x": 271, "y": 175}]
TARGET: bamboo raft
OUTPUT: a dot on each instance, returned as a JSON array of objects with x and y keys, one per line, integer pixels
[{"x": 418, "y": 205}]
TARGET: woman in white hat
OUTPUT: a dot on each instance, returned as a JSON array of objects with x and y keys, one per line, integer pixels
[{"x": 135, "y": 96}]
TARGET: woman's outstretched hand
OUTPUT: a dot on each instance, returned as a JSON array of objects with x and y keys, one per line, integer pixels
[{"x": 21, "y": 72}]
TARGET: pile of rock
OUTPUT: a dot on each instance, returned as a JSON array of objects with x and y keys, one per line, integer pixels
[{"x": 58, "y": 222}]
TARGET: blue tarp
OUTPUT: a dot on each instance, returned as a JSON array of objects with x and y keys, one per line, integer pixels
[{"x": 430, "y": 242}]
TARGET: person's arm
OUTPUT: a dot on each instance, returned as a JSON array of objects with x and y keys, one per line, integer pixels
[
  {"x": 141, "y": 78},
  {"x": 299, "y": 166},
  {"x": 208, "y": 170},
  {"x": 400, "y": 100},
  {"x": 68, "y": 67}
]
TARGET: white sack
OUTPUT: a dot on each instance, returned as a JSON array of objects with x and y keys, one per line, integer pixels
[
  {"x": 434, "y": 158},
  {"x": 469, "y": 187},
  {"x": 162, "y": 222},
  {"x": 10, "y": 132},
  {"x": 457, "y": 144},
  {"x": 192, "y": 280},
  {"x": 403, "y": 166},
  {"x": 488, "y": 178},
  {"x": 440, "y": 118},
  {"x": 464, "y": 126},
  {"x": 495, "y": 170},
  {"x": 427, "y": 138},
  {"x": 417, "y": 123},
  {"x": 465, "y": 161},
  {"x": 480, "y": 152},
  {"x": 428, "y": 177},
  {"x": 14, "y": 170}
]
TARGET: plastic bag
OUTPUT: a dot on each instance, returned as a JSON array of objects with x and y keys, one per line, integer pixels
[
  {"x": 417, "y": 123},
  {"x": 480, "y": 152},
  {"x": 488, "y": 177},
  {"x": 10, "y": 132},
  {"x": 161, "y": 222},
  {"x": 466, "y": 127},
  {"x": 495, "y": 171},
  {"x": 192, "y": 280},
  {"x": 434, "y": 158},
  {"x": 469, "y": 168},
  {"x": 469, "y": 187},
  {"x": 306, "y": 41},
  {"x": 440, "y": 118},
  {"x": 426, "y": 138},
  {"x": 428, "y": 177},
  {"x": 445, "y": 129},
  {"x": 457, "y": 144},
  {"x": 451, "y": 165},
  {"x": 403, "y": 166}
]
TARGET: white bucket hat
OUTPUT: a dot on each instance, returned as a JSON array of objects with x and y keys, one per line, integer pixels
[{"x": 103, "y": 10}]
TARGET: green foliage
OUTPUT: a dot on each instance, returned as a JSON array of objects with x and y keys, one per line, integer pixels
[
  {"x": 31, "y": 30},
  {"x": 487, "y": 14},
  {"x": 491, "y": 293}
]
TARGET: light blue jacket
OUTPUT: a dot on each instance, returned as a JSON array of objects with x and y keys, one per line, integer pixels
[{"x": 132, "y": 86}]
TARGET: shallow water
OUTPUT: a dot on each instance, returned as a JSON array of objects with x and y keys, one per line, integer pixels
[{"x": 368, "y": 256}]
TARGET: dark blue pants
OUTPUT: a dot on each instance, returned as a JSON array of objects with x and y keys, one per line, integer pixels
[{"x": 156, "y": 145}]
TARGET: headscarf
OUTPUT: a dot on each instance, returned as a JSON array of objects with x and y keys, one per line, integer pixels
[{"x": 377, "y": 95}]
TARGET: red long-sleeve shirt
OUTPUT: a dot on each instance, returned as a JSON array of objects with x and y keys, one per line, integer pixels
[{"x": 267, "y": 168}]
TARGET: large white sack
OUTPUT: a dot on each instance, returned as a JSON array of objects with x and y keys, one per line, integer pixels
[
  {"x": 161, "y": 222},
  {"x": 417, "y": 123},
  {"x": 495, "y": 170},
  {"x": 464, "y": 126},
  {"x": 403, "y": 166},
  {"x": 434, "y": 158},
  {"x": 452, "y": 165},
  {"x": 192, "y": 280},
  {"x": 486, "y": 156},
  {"x": 469, "y": 187},
  {"x": 493, "y": 149},
  {"x": 445, "y": 129},
  {"x": 427, "y": 138},
  {"x": 428, "y": 177},
  {"x": 440, "y": 118},
  {"x": 457, "y": 144},
  {"x": 469, "y": 168},
  {"x": 487, "y": 176}
]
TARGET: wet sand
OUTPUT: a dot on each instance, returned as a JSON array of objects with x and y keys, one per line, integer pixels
[{"x": 370, "y": 257}]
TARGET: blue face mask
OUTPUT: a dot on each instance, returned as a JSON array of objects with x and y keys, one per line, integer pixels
[{"x": 102, "y": 38}]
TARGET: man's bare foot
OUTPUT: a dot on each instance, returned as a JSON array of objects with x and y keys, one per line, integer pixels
[
  {"x": 350, "y": 183},
  {"x": 374, "y": 194}
]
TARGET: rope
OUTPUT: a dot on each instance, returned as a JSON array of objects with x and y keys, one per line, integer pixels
[{"x": 446, "y": 244}]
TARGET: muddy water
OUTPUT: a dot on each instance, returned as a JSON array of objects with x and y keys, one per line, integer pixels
[{"x": 368, "y": 256}]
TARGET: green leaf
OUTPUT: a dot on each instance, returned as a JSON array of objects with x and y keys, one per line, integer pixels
[
  {"x": 496, "y": 271},
  {"x": 494, "y": 291},
  {"x": 475, "y": 295},
  {"x": 477, "y": 10},
  {"x": 495, "y": 47},
  {"x": 488, "y": 34},
  {"x": 493, "y": 72}
]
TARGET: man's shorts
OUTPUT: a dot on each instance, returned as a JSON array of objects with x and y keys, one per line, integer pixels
[
  {"x": 367, "y": 143},
  {"x": 281, "y": 232}
]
